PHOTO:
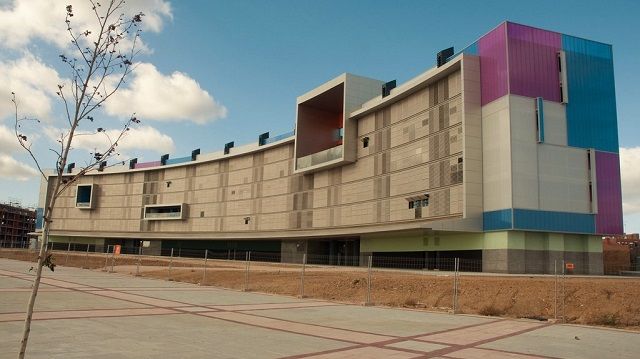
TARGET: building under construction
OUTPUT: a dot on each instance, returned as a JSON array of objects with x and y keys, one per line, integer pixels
[{"x": 15, "y": 224}]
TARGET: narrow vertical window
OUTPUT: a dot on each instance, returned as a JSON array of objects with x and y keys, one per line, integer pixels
[
  {"x": 540, "y": 119},
  {"x": 562, "y": 74}
]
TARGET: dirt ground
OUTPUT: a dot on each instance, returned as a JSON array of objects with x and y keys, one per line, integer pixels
[{"x": 606, "y": 301}]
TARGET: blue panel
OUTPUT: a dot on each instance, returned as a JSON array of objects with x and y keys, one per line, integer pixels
[
  {"x": 469, "y": 50},
  {"x": 553, "y": 221},
  {"x": 591, "y": 109},
  {"x": 497, "y": 220},
  {"x": 279, "y": 137},
  {"x": 39, "y": 217},
  {"x": 173, "y": 161}
]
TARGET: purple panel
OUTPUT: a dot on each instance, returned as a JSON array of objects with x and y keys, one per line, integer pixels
[
  {"x": 492, "y": 49},
  {"x": 148, "y": 164},
  {"x": 609, "y": 217},
  {"x": 533, "y": 62}
]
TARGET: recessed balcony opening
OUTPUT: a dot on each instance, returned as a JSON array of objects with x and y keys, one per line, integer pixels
[
  {"x": 320, "y": 128},
  {"x": 163, "y": 212}
]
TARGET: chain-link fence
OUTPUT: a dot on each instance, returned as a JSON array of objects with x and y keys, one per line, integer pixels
[{"x": 454, "y": 285}]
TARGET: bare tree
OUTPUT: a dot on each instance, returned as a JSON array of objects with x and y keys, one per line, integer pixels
[{"x": 103, "y": 59}]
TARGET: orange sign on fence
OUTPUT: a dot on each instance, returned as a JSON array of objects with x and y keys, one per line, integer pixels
[
  {"x": 116, "y": 249},
  {"x": 570, "y": 266}
]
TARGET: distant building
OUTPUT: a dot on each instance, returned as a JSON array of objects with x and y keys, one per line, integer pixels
[
  {"x": 15, "y": 225},
  {"x": 505, "y": 153}
]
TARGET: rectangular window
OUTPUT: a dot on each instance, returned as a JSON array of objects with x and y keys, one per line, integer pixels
[
  {"x": 365, "y": 142},
  {"x": 84, "y": 196},
  {"x": 562, "y": 73},
  {"x": 540, "y": 119}
]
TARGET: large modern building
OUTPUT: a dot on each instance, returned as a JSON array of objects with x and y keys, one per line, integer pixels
[{"x": 505, "y": 152}]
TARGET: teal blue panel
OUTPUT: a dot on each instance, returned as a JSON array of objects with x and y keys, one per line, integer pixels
[
  {"x": 39, "y": 218},
  {"x": 497, "y": 220},
  {"x": 591, "y": 109},
  {"x": 553, "y": 221},
  {"x": 173, "y": 161},
  {"x": 469, "y": 50}
]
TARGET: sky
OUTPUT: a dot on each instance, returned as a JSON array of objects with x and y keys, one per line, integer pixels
[{"x": 212, "y": 72}]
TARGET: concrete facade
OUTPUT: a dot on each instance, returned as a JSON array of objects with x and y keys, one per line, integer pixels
[{"x": 460, "y": 161}]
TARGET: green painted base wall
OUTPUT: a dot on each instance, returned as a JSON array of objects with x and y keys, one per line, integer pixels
[{"x": 451, "y": 241}]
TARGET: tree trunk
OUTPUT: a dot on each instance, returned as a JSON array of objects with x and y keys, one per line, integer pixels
[{"x": 34, "y": 291}]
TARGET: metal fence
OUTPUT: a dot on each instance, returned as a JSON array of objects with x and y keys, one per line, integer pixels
[{"x": 454, "y": 285}]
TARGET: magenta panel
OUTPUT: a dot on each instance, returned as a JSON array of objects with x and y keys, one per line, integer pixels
[
  {"x": 533, "y": 62},
  {"x": 492, "y": 49},
  {"x": 609, "y": 217},
  {"x": 148, "y": 164}
]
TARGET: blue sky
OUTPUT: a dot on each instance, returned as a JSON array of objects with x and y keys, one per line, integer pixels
[{"x": 247, "y": 61}]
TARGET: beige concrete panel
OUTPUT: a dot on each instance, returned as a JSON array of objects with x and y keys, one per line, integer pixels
[
  {"x": 239, "y": 208},
  {"x": 275, "y": 187},
  {"x": 357, "y": 191},
  {"x": 208, "y": 168},
  {"x": 276, "y": 204},
  {"x": 276, "y": 170},
  {"x": 278, "y": 154},
  {"x": 409, "y": 181},
  {"x": 564, "y": 179},
  {"x": 355, "y": 214},
  {"x": 320, "y": 197},
  {"x": 410, "y": 155},
  {"x": 205, "y": 196},
  {"x": 555, "y": 123},
  {"x": 359, "y": 170},
  {"x": 320, "y": 218},
  {"x": 366, "y": 124},
  {"x": 496, "y": 161},
  {"x": 235, "y": 193},
  {"x": 207, "y": 181},
  {"x": 172, "y": 173},
  {"x": 524, "y": 152},
  {"x": 240, "y": 177},
  {"x": 274, "y": 221},
  {"x": 454, "y": 80},
  {"x": 240, "y": 162}
]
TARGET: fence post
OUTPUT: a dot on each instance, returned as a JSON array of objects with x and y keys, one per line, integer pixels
[
  {"x": 204, "y": 272},
  {"x": 69, "y": 250},
  {"x": 170, "y": 265},
  {"x": 304, "y": 263},
  {"x": 369, "y": 265},
  {"x": 138, "y": 261},
  {"x": 564, "y": 278},
  {"x": 555, "y": 290},
  {"x": 456, "y": 268},
  {"x": 106, "y": 257},
  {"x": 246, "y": 272},
  {"x": 113, "y": 259},
  {"x": 86, "y": 256}
]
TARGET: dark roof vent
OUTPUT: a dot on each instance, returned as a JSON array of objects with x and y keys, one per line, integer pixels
[
  {"x": 227, "y": 147},
  {"x": 194, "y": 154},
  {"x": 103, "y": 164},
  {"x": 386, "y": 88},
  {"x": 70, "y": 167},
  {"x": 164, "y": 158},
  {"x": 262, "y": 139},
  {"x": 132, "y": 163},
  {"x": 443, "y": 56}
]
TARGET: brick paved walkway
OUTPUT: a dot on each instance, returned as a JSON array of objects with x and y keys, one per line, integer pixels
[{"x": 82, "y": 313}]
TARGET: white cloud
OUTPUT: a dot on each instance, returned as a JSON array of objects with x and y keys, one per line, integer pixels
[
  {"x": 25, "y": 20},
  {"x": 8, "y": 141},
  {"x": 630, "y": 171},
  {"x": 14, "y": 170},
  {"x": 143, "y": 138},
  {"x": 155, "y": 96},
  {"x": 33, "y": 83}
]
